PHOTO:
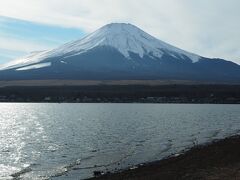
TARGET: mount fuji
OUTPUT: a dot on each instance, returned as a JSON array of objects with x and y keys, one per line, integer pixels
[{"x": 120, "y": 51}]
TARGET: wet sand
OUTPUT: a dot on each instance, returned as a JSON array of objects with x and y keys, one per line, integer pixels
[{"x": 219, "y": 160}]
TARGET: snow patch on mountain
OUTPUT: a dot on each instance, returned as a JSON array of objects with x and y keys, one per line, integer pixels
[{"x": 35, "y": 66}]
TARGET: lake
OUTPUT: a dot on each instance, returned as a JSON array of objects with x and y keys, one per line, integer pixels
[{"x": 70, "y": 141}]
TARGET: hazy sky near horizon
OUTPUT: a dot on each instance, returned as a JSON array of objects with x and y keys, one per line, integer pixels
[{"x": 208, "y": 28}]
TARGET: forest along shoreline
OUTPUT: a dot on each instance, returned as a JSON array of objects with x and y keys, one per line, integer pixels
[
  {"x": 217, "y": 160},
  {"x": 197, "y": 94}
]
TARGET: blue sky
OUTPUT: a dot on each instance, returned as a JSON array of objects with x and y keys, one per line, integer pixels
[
  {"x": 25, "y": 36},
  {"x": 207, "y": 28}
]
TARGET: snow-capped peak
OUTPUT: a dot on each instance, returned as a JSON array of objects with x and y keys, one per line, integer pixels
[{"x": 125, "y": 38}]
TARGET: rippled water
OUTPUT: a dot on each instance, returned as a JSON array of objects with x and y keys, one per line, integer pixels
[{"x": 70, "y": 141}]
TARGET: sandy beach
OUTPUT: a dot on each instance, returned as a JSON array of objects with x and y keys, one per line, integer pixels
[{"x": 219, "y": 160}]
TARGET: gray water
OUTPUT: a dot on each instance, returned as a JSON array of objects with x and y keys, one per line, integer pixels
[{"x": 70, "y": 141}]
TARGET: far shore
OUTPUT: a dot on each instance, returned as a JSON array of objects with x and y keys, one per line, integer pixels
[
  {"x": 108, "y": 92},
  {"x": 219, "y": 160}
]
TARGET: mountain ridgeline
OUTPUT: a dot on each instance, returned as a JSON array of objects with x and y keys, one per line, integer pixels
[{"x": 120, "y": 52}]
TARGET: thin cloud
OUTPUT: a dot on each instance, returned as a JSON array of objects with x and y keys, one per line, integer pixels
[{"x": 20, "y": 45}]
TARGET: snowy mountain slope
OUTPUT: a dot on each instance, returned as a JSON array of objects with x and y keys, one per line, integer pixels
[
  {"x": 123, "y": 52},
  {"x": 32, "y": 58}
]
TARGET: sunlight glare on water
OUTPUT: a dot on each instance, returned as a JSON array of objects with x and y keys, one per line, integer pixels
[{"x": 70, "y": 141}]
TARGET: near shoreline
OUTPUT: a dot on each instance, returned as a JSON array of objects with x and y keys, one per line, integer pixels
[{"x": 215, "y": 161}]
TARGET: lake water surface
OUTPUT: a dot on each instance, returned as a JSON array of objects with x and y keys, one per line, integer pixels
[{"x": 70, "y": 141}]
